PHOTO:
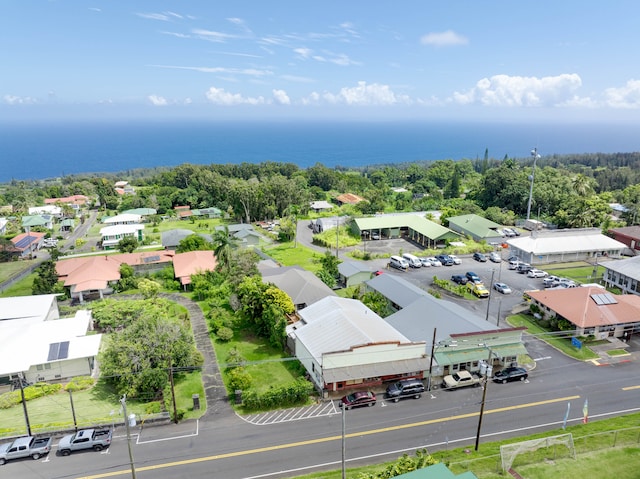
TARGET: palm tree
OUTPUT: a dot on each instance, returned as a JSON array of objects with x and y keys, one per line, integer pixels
[
  {"x": 222, "y": 244},
  {"x": 582, "y": 185}
]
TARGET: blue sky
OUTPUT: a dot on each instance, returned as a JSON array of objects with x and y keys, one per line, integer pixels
[{"x": 500, "y": 60}]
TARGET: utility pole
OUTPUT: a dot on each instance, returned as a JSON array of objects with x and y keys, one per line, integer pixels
[
  {"x": 484, "y": 396},
  {"x": 490, "y": 288},
  {"x": 344, "y": 444},
  {"x": 535, "y": 155},
  {"x": 24, "y": 404},
  {"x": 173, "y": 394},
  {"x": 337, "y": 235},
  {"x": 433, "y": 349},
  {"x": 123, "y": 401},
  {"x": 73, "y": 411}
]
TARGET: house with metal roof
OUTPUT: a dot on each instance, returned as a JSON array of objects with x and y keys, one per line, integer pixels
[
  {"x": 623, "y": 274},
  {"x": 303, "y": 287},
  {"x": 349, "y": 199},
  {"x": 630, "y": 236},
  {"x": 122, "y": 219},
  {"x": 343, "y": 345},
  {"x": 191, "y": 263},
  {"x": 352, "y": 273},
  {"x": 171, "y": 239},
  {"x": 559, "y": 246},
  {"x": 476, "y": 227},
  {"x": 415, "y": 228},
  {"x": 38, "y": 345},
  {"x": 141, "y": 212},
  {"x": 53, "y": 210},
  {"x": 111, "y": 235},
  {"x": 27, "y": 244},
  {"x": 319, "y": 206},
  {"x": 592, "y": 310},
  {"x": 37, "y": 221}
]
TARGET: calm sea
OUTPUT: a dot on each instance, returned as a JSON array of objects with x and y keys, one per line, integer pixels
[{"x": 38, "y": 151}]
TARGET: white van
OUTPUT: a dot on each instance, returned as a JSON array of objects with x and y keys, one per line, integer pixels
[
  {"x": 413, "y": 261},
  {"x": 398, "y": 263}
]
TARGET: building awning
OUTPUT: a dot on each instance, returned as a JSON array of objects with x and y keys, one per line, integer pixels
[
  {"x": 362, "y": 371},
  {"x": 450, "y": 356}
]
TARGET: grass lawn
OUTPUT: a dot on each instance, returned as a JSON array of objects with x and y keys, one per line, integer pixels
[
  {"x": 288, "y": 255},
  {"x": 562, "y": 344},
  {"x": 581, "y": 272},
  {"x": 21, "y": 288},
  {"x": 595, "y": 456},
  {"x": 617, "y": 352},
  {"x": 10, "y": 269}
]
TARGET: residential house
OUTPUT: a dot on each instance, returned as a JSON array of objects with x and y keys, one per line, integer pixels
[
  {"x": 323, "y": 224},
  {"x": 591, "y": 310},
  {"x": 211, "y": 212},
  {"x": 320, "y": 206},
  {"x": 476, "y": 227},
  {"x": 353, "y": 273},
  {"x": 344, "y": 345},
  {"x": 124, "y": 188},
  {"x": 144, "y": 213},
  {"x": 628, "y": 235},
  {"x": 37, "y": 221},
  {"x": 122, "y": 219},
  {"x": 248, "y": 237},
  {"x": 171, "y": 239},
  {"x": 75, "y": 201},
  {"x": 27, "y": 244},
  {"x": 3, "y": 226},
  {"x": 38, "y": 345},
  {"x": 50, "y": 210},
  {"x": 623, "y": 274},
  {"x": 349, "y": 199},
  {"x": 303, "y": 287},
  {"x": 413, "y": 227},
  {"x": 561, "y": 246},
  {"x": 67, "y": 224},
  {"x": 111, "y": 235},
  {"x": 191, "y": 263}
]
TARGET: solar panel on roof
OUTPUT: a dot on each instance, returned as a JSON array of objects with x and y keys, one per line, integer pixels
[
  {"x": 54, "y": 348},
  {"x": 63, "y": 353},
  {"x": 24, "y": 242},
  {"x": 151, "y": 259},
  {"x": 603, "y": 299}
]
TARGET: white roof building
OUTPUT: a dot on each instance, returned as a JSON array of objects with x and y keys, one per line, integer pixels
[
  {"x": 342, "y": 344},
  {"x": 123, "y": 219},
  {"x": 46, "y": 210},
  {"x": 40, "y": 345},
  {"x": 111, "y": 235}
]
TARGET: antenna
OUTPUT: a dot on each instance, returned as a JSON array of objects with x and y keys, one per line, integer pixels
[{"x": 535, "y": 156}]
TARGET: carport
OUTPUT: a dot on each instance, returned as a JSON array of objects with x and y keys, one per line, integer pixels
[{"x": 416, "y": 228}]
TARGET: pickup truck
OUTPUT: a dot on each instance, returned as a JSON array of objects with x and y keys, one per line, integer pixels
[
  {"x": 36, "y": 447},
  {"x": 461, "y": 379},
  {"x": 96, "y": 439}
]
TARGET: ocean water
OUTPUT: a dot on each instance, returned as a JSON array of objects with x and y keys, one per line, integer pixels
[{"x": 39, "y": 150}]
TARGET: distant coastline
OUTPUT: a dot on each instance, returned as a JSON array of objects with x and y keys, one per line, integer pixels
[{"x": 40, "y": 151}]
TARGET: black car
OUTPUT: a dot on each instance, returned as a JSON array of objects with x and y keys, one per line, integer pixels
[
  {"x": 445, "y": 259},
  {"x": 459, "y": 279},
  {"x": 405, "y": 388},
  {"x": 511, "y": 374},
  {"x": 480, "y": 257},
  {"x": 358, "y": 399},
  {"x": 471, "y": 276}
]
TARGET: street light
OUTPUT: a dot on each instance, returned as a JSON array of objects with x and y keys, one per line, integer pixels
[{"x": 535, "y": 155}]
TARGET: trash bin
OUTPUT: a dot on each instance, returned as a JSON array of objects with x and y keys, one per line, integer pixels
[
  {"x": 132, "y": 420},
  {"x": 196, "y": 401}
]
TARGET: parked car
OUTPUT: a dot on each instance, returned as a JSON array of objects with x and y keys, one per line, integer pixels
[
  {"x": 434, "y": 261},
  {"x": 511, "y": 374},
  {"x": 478, "y": 289},
  {"x": 549, "y": 280},
  {"x": 358, "y": 399},
  {"x": 96, "y": 439},
  {"x": 459, "y": 279},
  {"x": 405, "y": 388},
  {"x": 455, "y": 259},
  {"x": 413, "y": 260},
  {"x": 461, "y": 379},
  {"x": 425, "y": 262},
  {"x": 29, "y": 446},
  {"x": 474, "y": 278},
  {"x": 445, "y": 259},
  {"x": 398, "y": 263},
  {"x": 537, "y": 273},
  {"x": 479, "y": 257},
  {"x": 524, "y": 268},
  {"x": 495, "y": 257},
  {"x": 375, "y": 236},
  {"x": 502, "y": 288},
  {"x": 509, "y": 232}
]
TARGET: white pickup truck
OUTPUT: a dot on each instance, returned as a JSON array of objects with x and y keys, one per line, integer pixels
[
  {"x": 461, "y": 379},
  {"x": 36, "y": 447},
  {"x": 97, "y": 439}
]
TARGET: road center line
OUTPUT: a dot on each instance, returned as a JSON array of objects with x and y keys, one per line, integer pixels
[{"x": 326, "y": 439}]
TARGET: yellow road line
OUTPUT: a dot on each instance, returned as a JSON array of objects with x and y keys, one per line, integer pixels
[
  {"x": 630, "y": 388},
  {"x": 327, "y": 439}
]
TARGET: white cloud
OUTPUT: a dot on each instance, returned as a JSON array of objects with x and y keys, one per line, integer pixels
[
  {"x": 212, "y": 36},
  {"x": 19, "y": 100},
  {"x": 363, "y": 94},
  {"x": 297, "y": 79},
  {"x": 219, "y": 96},
  {"x": 627, "y": 97},
  {"x": 281, "y": 97},
  {"x": 338, "y": 59},
  {"x": 312, "y": 99},
  {"x": 504, "y": 90},
  {"x": 155, "y": 16},
  {"x": 222, "y": 70},
  {"x": 157, "y": 100},
  {"x": 444, "y": 39},
  {"x": 303, "y": 52}
]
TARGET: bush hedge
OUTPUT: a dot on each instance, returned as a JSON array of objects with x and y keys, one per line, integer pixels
[{"x": 292, "y": 394}]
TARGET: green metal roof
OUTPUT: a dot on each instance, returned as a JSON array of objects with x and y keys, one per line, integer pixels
[
  {"x": 36, "y": 220},
  {"x": 423, "y": 226},
  {"x": 456, "y": 356},
  {"x": 140, "y": 211},
  {"x": 476, "y": 225}
]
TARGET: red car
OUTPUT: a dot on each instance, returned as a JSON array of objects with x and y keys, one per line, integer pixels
[{"x": 359, "y": 398}]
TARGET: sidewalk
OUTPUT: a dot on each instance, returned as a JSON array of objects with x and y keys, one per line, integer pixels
[{"x": 606, "y": 359}]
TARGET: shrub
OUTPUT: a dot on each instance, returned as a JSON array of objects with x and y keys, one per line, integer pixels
[
  {"x": 154, "y": 407},
  {"x": 238, "y": 379},
  {"x": 225, "y": 334},
  {"x": 39, "y": 390},
  {"x": 80, "y": 383},
  {"x": 10, "y": 399},
  {"x": 289, "y": 395}
]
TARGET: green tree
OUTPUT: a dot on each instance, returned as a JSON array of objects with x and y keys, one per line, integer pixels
[
  {"x": 128, "y": 244},
  {"x": 376, "y": 302},
  {"x": 193, "y": 242},
  {"x": 149, "y": 288},
  {"x": 46, "y": 279},
  {"x": 222, "y": 244}
]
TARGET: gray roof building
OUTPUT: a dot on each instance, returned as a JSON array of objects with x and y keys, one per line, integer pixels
[
  {"x": 171, "y": 239},
  {"x": 303, "y": 287}
]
